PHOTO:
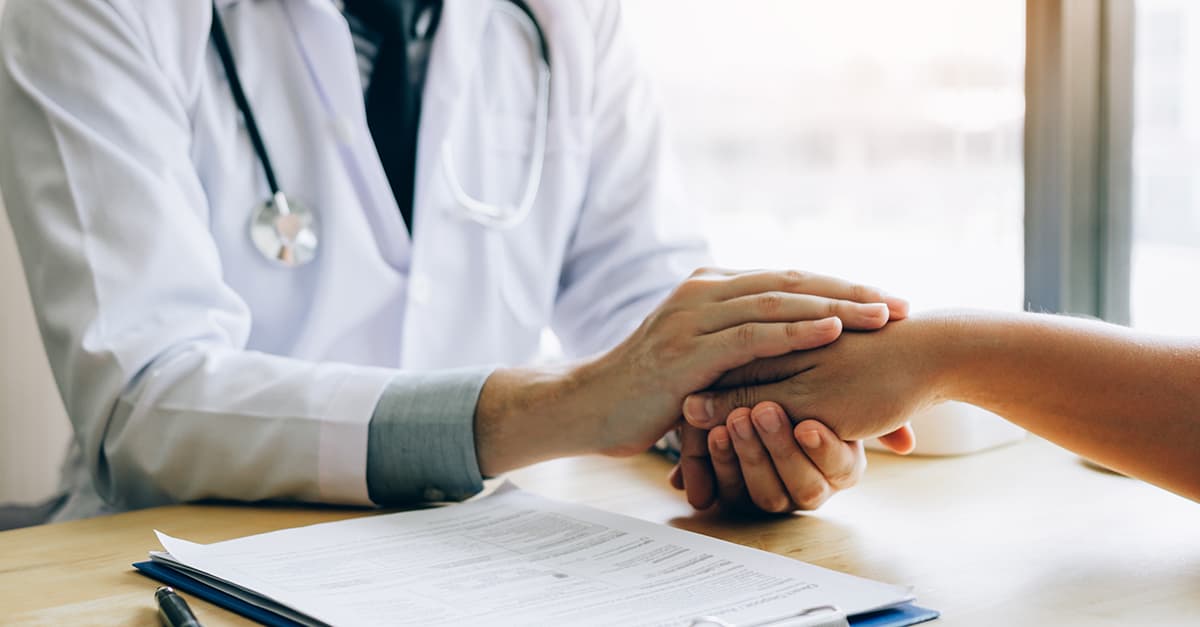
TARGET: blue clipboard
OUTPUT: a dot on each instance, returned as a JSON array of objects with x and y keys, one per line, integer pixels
[{"x": 901, "y": 616}]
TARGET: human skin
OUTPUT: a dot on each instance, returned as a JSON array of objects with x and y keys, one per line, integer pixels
[
  {"x": 758, "y": 461},
  {"x": 1128, "y": 400},
  {"x": 620, "y": 402}
]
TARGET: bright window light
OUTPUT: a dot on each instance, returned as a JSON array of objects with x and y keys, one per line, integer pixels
[{"x": 875, "y": 140}]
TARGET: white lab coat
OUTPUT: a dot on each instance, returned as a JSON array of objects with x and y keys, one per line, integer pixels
[{"x": 193, "y": 368}]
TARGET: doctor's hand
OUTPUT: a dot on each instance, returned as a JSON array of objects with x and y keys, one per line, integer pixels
[{"x": 622, "y": 401}]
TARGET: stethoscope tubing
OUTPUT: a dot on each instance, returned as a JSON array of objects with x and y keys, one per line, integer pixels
[
  {"x": 542, "y": 44},
  {"x": 487, "y": 214},
  {"x": 221, "y": 41},
  {"x": 502, "y": 217}
]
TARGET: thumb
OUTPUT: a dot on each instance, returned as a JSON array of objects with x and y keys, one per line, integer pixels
[{"x": 705, "y": 410}]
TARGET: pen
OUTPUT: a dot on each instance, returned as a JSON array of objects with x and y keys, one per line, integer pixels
[{"x": 173, "y": 611}]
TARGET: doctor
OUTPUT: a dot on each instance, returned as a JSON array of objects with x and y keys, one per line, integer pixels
[{"x": 258, "y": 277}]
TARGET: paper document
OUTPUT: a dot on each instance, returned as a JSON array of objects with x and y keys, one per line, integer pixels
[{"x": 514, "y": 558}]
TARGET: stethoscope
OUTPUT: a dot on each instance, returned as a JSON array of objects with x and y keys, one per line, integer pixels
[{"x": 286, "y": 231}]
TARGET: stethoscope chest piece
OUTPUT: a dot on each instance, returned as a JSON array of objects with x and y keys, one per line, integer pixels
[{"x": 284, "y": 231}]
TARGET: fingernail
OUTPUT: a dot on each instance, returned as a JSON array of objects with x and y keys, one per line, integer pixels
[
  {"x": 826, "y": 323},
  {"x": 810, "y": 439},
  {"x": 721, "y": 443},
  {"x": 698, "y": 409},
  {"x": 768, "y": 420},
  {"x": 742, "y": 428}
]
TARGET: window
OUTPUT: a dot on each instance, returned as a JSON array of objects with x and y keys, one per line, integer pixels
[
  {"x": 875, "y": 140},
  {"x": 1166, "y": 167}
]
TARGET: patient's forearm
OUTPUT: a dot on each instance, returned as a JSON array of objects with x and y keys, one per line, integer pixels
[{"x": 1126, "y": 399}]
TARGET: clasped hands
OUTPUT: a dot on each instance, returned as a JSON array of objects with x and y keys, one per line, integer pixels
[
  {"x": 739, "y": 445},
  {"x": 743, "y": 355}
]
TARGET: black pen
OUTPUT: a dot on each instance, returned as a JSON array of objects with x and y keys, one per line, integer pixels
[{"x": 173, "y": 611}]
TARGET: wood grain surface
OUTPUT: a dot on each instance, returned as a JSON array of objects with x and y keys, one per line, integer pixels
[{"x": 1022, "y": 535}]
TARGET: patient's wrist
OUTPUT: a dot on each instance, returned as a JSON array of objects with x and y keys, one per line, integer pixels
[{"x": 952, "y": 346}]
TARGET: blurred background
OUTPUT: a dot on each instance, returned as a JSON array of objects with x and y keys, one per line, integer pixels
[
  {"x": 882, "y": 141},
  {"x": 995, "y": 153},
  {"x": 1166, "y": 167},
  {"x": 879, "y": 141}
]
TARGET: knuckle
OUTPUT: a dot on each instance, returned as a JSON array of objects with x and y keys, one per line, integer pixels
[
  {"x": 740, "y": 397},
  {"x": 796, "y": 278},
  {"x": 772, "y": 504},
  {"x": 780, "y": 505},
  {"x": 679, "y": 322},
  {"x": 689, "y": 286},
  {"x": 786, "y": 450},
  {"x": 769, "y": 303},
  {"x": 797, "y": 388},
  {"x": 812, "y": 497},
  {"x": 795, "y": 331},
  {"x": 756, "y": 456},
  {"x": 701, "y": 271},
  {"x": 743, "y": 336},
  {"x": 843, "y": 478},
  {"x": 672, "y": 350},
  {"x": 863, "y": 294},
  {"x": 721, "y": 457},
  {"x": 833, "y": 307}
]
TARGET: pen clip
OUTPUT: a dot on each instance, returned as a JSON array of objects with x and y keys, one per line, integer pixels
[{"x": 818, "y": 616}]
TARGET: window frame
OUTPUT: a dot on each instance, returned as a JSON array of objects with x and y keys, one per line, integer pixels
[{"x": 1078, "y": 157}]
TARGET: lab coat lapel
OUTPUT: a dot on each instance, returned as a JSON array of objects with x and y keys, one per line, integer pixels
[{"x": 328, "y": 49}]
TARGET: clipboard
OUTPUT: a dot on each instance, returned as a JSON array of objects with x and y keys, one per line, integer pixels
[{"x": 824, "y": 616}]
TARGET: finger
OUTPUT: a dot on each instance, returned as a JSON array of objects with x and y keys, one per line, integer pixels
[
  {"x": 731, "y": 488},
  {"x": 797, "y": 282},
  {"x": 704, "y": 410},
  {"x": 705, "y": 285},
  {"x": 902, "y": 440},
  {"x": 766, "y": 490},
  {"x": 695, "y": 468},
  {"x": 737, "y": 346},
  {"x": 675, "y": 477},
  {"x": 898, "y": 308},
  {"x": 787, "y": 307},
  {"x": 840, "y": 463},
  {"x": 807, "y": 487},
  {"x": 768, "y": 370},
  {"x": 716, "y": 272}
]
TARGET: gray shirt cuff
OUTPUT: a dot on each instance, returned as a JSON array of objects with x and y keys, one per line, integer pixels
[{"x": 421, "y": 443}]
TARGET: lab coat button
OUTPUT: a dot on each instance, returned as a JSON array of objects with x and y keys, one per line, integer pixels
[
  {"x": 433, "y": 494},
  {"x": 421, "y": 290}
]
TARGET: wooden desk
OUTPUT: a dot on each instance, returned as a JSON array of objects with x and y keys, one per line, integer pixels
[{"x": 1023, "y": 535}]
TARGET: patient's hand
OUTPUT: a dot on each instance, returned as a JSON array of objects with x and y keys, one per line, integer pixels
[
  {"x": 861, "y": 386},
  {"x": 759, "y": 459}
]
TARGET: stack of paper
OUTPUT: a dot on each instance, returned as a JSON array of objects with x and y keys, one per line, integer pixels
[{"x": 514, "y": 558}]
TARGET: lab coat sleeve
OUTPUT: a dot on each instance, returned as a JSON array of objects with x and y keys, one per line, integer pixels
[
  {"x": 146, "y": 341},
  {"x": 636, "y": 237}
]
